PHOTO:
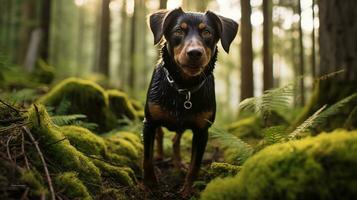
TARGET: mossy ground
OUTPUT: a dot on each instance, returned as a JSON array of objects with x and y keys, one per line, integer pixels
[{"x": 321, "y": 167}]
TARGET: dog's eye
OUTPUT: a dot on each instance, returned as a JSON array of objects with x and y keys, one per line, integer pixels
[
  {"x": 179, "y": 32},
  {"x": 206, "y": 34}
]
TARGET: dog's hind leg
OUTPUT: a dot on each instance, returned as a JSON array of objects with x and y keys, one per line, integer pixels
[
  {"x": 159, "y": 140},
  {"x": 149, "y": 138}
]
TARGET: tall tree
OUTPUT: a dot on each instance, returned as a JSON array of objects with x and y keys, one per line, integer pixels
[
  {"x": 28, "y": 19},
  {"x": 301, "y": 59},
  {"x": 313, "y": 48},
  {"x": 123, "y": 45},
  {"x": 132, "y": 49},
  {"x": 338, "y": 51},
  {"x": 247, "y": 84},
  {"x": 268, "y": 81},
  {"x": 104, "y": 43},
  {"x": 163, "y": 4},
  {"x": 45, "y": 28}
]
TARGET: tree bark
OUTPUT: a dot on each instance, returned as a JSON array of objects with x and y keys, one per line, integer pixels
[
  {"x": 163, "y": 4},
  {"x": 301, "y": 58},
  {"x": 123, "y": 67},
  {"x": 247, "y": 84},
  {"x": 267, "y": 45},
  {"x": 132, "y": 50},
  {"x": 313, "y": 48},
  {"x": 45, "y": 27},
  {"x": 104, "y": 44}
]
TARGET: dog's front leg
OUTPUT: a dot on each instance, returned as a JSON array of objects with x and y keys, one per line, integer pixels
[
  {"x": 149, "y": 138},
  {"x": 199, "y": 142}
]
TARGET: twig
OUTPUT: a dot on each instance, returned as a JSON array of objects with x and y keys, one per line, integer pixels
[
  {"x": 53, "y": 197},
  {"x": 13, "y": 127},
  {"x": 11, "y": 120},
  {"x": 37, "y": 114},
  {"x": 24, "y": 195},
  {"x": 12, "y": 107},
  {"x": 8, "y": 149},
  {"x": 23, "y": 150},
  {"x": 53, "y": 143}
]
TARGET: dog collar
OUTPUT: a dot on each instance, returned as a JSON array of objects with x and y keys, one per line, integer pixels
[{"x": 184, "y": 91}]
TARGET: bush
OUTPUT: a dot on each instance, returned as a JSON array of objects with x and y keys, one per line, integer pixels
[{"x": 322, "y": 167}]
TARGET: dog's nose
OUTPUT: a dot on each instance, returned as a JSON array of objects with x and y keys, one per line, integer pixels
[{"x": 195, "y": 54}]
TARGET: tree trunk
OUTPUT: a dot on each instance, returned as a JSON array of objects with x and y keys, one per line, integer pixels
[
  {"x": 313, "y": 48},
  {"x": 28, "y": 19},
  {"x": 132, "y": 50},
  {"x": 267, "y": 45},
  {"x": 247, "y": 84},
  {"x": 45, "y": 27},
  {"x": 163, "y": 4},
  {"x": 301, "y": 58},
  {"x": 123, "y": 56},
  {"x": 104, "y": 44},
  {"x": 338, "y": 51}
]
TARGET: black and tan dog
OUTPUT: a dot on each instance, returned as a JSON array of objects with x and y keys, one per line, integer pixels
[{"x": 181, "y": 94}]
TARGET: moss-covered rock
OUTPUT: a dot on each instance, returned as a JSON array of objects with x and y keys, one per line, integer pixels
[
  {"x": 62, "y": 153},
  {"x": 323, "y": 167},
  {"x": 71, "y": 186},
  {"x": 122, "y": 146},
  {"x": 120, "y": 104},
  {"x": 223, "y": 169},
  {"x": 84, "y": 140},
  {"x": 85, "y": 97}
]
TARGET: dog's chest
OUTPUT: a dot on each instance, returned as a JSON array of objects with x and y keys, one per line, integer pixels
[{"x": 166, "y": 106}]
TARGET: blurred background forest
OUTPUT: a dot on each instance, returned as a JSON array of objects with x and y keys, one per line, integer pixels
[{"x": 109, "y": 42}]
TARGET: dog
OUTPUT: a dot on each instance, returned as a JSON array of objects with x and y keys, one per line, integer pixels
[{"x": 181, "y": 93}]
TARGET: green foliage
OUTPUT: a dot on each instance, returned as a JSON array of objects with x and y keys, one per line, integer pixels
[
  {"x": 247, "y": 127},
  {"x": 71, "y": 186},
  {"x": 275, "y": 100},
  {"x": 321, "y": 167},
  {"x": 61, "y": 120},
  {"x": 274, "y": 134},
  {"x": 239, "y": 150}
]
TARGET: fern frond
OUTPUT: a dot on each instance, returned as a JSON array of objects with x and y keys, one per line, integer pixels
[
  {"x": 63, "y": 107},
  {"x": 272, "y": 100},
  {"x": 334, "y": 109},
  {"x": 274, "y": 134},
  {"x": 62, "y": 120},
  {"x": 306, "y": 124},
  {"x": 242, "y": 150}
]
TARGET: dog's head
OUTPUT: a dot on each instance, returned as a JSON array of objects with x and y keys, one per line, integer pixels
[{"x": 191, "y": 38}]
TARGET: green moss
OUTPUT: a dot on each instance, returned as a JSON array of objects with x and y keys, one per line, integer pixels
[
  {"x": 71, "y": 186},
  {"x": 122, "y": 146},
  {"x": 123, "y": 175},
  {"x": 120, "y": 104},
  {"x": 84, "y": 140},
  {"x": 323, "y": 167},
  {"x": 138, "y": 106},
  {"x": 34, "y": 180},
  {"x": 246, "y": 127},
  {"x": 85, "y": 97},
  {"x": 111, "y": 193},
  {"x": 133, "y": 138},
  {"x": 223, "y": 169},
  {"x": 62, "y": 154}
]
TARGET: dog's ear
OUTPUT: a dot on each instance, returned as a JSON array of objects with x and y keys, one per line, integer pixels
[
  {"x": 227, "y": 29},
  {"x": 160, "y": 20}
]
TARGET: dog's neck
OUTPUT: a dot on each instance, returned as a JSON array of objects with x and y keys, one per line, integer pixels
[{"x": 177, "y": 74}]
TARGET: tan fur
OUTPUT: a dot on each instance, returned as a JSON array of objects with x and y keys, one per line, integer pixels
[{"x": 202, "y": 26}]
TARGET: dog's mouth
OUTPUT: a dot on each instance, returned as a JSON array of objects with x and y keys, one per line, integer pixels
[{"x": 191, "y": 70}]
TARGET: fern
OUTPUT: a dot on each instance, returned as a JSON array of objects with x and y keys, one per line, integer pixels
[
  {"x": 134, "y": 126},
  {"x": 22, "y": 95},
  {"x": 242, "y": 150},
  {"x": 274, "y": 134},
  {"x": 272, "y": 100},
  {"x": 320, "y": 116},
  {"x": 62, "y": 120},
  {"x": 63, "y": 107}
]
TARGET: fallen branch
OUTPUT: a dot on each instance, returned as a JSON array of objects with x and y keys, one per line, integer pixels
[
  {"x": 53, "y": 197},
  {"x": 8, "y": 149},
  {"x": 12, "y": 107},
  {"x": 13, "y": 127}
]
